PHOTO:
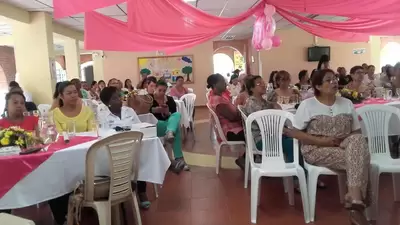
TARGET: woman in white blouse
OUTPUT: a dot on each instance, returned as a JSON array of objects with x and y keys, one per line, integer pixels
[{"x": 328, "y": 128}]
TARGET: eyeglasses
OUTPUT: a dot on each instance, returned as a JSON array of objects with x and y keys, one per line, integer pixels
[{"x": 331, "y": 81}]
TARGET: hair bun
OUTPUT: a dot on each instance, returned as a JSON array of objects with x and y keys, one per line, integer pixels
[{"x": 208, "y": 86}]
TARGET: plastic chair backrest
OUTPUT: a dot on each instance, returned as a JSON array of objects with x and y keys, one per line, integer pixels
[
  {"x": 190, "y": 90},
  {"x": 123, "y": 152},
  {"x": 44, "y": 108},
  {"x": 271, "y": 123},
  {"x": 376, "y": 121},
  {"x": 216, "y": 124},
  {"x": 207, "y": 95},
  {"x": 244, "y": 118},
  {"x": 189, "y": 100}
]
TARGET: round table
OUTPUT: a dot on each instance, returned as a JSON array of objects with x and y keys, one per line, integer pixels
[{"x": 64, "y": 169}]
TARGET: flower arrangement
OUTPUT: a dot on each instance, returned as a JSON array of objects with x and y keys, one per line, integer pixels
[
  {"x": 15, "y": 136},
  {"x": 352, "y": 95}
]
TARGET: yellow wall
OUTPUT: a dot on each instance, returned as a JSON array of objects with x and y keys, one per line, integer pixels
[
  {"x": 290, "y": 56},
  {"x": 123, "y": 65}
]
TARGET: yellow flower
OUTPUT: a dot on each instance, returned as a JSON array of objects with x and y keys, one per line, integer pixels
[
  {"x": 354, "y": 94},
  {"x": 5, "y": 141},
  {"x": 8, "y": 134},
  {"x": 19, "y": 142},
  {"x": 338, "y": 94}
]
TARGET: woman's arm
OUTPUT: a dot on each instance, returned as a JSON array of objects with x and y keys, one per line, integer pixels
[
  {"x": 226, "y": 111},
  {"x": 309, "y": 139}
]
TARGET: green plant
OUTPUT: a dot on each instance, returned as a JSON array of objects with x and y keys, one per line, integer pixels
[
  {"x": 187, "y": 70},
  {"x": 145, "y": 71}
]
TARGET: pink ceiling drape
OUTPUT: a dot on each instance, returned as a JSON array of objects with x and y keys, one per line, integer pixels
[
  {"x": 177, "y": 17},
  {"x": 106, "y": 33},
  {"x": 368, "y": 9},
  {"x": 173, "y": 25}
]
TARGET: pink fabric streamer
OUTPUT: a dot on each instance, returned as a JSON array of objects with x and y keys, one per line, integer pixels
[
  {"x": 327, "y": 33},
  {"x": 368, "y": 9},
  {"x": 64, "y": 8},
  {"x": 100, "y": 29},
  {"x": 366, "y": 26},
  {"x": 176, "y": 17}
]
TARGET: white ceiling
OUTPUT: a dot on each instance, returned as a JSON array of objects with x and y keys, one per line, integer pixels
[{"x": 223, "y": 8}]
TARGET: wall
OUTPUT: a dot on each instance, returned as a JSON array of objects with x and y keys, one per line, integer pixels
[
  {"x": 7, "y": 66},
  {"x": 292, "y": 54},
  {"x": 124, "y": 65}
]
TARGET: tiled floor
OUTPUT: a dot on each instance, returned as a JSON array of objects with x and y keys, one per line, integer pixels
[{"x": 200, "y": 197}]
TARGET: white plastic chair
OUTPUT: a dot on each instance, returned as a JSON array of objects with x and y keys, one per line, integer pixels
[
  {"x": 376, "y": 119},
  {"x": 212, "y": 133},
  {"x": 271, "y": 123},
  {"x": 190, "y": 90},
  {"x": 44, "y": 108},
  {"x": 255, "y": 151},
  {"x": 123, "y": 151},
  {"x": 189, "y": 100},
  {"x": 217, "y": 127},
  {"x": 8, "y": 219}
]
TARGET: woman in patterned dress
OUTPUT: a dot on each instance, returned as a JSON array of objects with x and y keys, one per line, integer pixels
[
  {"x": 328, "y": 128},
  {"x": 283, "y": 80}
]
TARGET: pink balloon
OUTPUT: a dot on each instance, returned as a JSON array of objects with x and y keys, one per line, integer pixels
[
  {"x": 269, "y": 10},
  {"x": 267, "y": 44},
  {"x": 276, "y": 41}
]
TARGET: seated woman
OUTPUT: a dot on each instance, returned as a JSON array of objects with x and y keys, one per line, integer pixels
[
  {"x": 356, "y": 82},
  {"x": 94, "y": 90},
  {"x": 284, "y": 90},
  {"x": 15, "y": 107},
  {"x": 256, "y": 88},
  {"x": 304, "y": 80},
  {"x": 328, "y": 127},
  {"x": 228, "y": 114},
  {"x": 178, "y": 90},
  {"x": 128, "y": 85},
  {"x": 30, "y": 106},
  {"x": 169, "y": 120},
  {"x": 151, "y": 84},
  {"x": 117, "y": 114},
  {"x": 72, "y": 110},
  {"x": 243, "y": 95},
  {"x": 234, "y": 85}
]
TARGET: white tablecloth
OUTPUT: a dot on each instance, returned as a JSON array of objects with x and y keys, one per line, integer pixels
[
  {"x": 60, "y": 174},
  {"x": 181, "y": 108}
]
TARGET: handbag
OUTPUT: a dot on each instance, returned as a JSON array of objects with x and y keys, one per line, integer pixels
[
  {"x": 101, "y": 191},
  {"x": 140, "y": 103}
]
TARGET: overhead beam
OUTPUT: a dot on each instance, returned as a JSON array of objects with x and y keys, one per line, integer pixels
[
  {"x": 14, "y": 13},
  {"x": 65, "y": 31}
]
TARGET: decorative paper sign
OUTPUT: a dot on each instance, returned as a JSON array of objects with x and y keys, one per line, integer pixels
[
  {"x": 168, "y": 67},
  {"x": 53, "y": 69},
  {"x": 358, "y": 51}
]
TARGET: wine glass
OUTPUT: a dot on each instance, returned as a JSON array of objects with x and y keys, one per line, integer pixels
[
  {"x": 398, "y": 92},
  {"x": 280, "y": 99}
]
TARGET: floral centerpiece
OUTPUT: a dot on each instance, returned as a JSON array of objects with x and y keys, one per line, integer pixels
[
  {"x": 13, "y": 139},
  {"x": 352, "y": 95}
]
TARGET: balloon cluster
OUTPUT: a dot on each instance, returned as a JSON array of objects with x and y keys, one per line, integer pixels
[{"x": 264, "y": 30}]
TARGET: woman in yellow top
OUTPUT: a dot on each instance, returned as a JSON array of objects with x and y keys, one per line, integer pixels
[{"x": 71, "y": 110}]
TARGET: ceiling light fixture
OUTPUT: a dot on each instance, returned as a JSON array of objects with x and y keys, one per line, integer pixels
[{"x": 189, "y": 0}]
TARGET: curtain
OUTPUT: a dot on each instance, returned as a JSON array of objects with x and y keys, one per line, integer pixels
[
  {"x": 327, "y": 33},
  {"x": 64, "y": 8},
  {"x": 366, "y": 26},
  {"x": 176, "y": 17},
  {"x": 106, "y": 33},
  {"x": 367, "y": 9}
]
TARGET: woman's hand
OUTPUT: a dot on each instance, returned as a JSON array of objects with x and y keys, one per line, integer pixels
[
  {"x": 157, "y": 109},
  {"x": 330, "y": 141}
]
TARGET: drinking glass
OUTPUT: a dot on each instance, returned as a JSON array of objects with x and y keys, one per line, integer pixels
[
  {"x": 29, "y": 143},
  {"x": 398, "y": 92},
  {"x": 388, "y": 94},
  {"x": 69, "y": 127}
]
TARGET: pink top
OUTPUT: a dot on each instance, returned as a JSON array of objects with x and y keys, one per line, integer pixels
[
  {"x": 174, "y": 92},
  {"x": 227, "y": 126},
  {"x": 29, "y": 123}
]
